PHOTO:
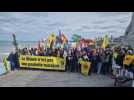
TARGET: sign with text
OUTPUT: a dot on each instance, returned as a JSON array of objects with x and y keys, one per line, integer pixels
[
  {"x": 42, "y": 62},
  {"x": 85, "y": 67}
]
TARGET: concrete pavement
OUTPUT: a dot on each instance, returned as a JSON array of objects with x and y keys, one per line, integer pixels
[{"x": 29, "y": 78}]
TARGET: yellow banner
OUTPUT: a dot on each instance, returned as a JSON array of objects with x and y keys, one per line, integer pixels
[
  {"x": 85, "y": 67},
  {"x": 129, "y": 59},
  {"x": 42, "y": 62}
]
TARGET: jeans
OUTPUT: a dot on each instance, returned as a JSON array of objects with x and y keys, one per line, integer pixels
[
  {"x": 12, "y": 65},
  {"x": 131, "y": 69},
  {"x": 99, "y": 65},
  {"x": 79, "y": 68},
  {"x": 105, "y": 68}
]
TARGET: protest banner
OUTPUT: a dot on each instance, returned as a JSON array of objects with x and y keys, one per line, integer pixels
[
  {"x": 42, "y": 62},
  {"x": 129, "y": 59},
  {"x": 85, "y": 67}
]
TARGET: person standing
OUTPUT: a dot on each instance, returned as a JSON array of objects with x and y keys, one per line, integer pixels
[
  {"x": 79, "y": 64},
  {"x": 11, "y": 59},
  {"x": 93, "y": 61},
  {"x": 99, "y": 62},
  {"x": 65, "y": 58},
  {"x": 69, "y": 61},
  {"x": 75, "y": 59},
  {"x": 105, "y": 64},
  {"x": 110, "y": 62},
  {"x": 16, "y": 60}
]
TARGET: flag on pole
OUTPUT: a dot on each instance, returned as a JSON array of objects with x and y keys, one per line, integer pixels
[
  {"x": 105, "y": 42},
  {"x": 60, "y": 36},
  {"x": 64, "y": 39},
  {"x": 51, "y": 38},
  {"x": 76, "y": 38}
]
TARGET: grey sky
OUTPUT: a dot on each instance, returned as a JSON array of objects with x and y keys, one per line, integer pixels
[{"x": 37, "y": 25}]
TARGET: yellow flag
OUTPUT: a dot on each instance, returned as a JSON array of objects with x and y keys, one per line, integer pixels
[
  {"x": 105, "y": 42},
  {"x": 6, "y": 65},
  {"x": 52, "y": 37}
]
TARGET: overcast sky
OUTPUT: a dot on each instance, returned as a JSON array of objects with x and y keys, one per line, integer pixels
[{"x": 36, "y": 25}]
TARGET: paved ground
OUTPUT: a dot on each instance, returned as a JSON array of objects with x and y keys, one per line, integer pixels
[{"x": 29, "y": 78}]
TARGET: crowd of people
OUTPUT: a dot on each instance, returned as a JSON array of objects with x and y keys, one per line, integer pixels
[
  {"x": 101, "y": 59},
  {"x": 119, "y": 57}
]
